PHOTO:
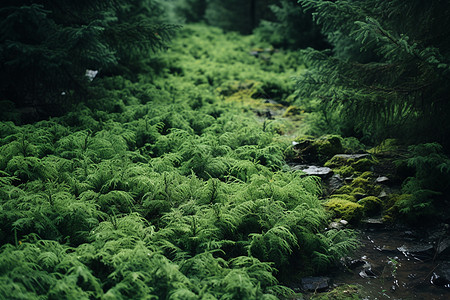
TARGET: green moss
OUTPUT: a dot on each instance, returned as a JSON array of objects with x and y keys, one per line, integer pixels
[
  {"x": 343, "y": 292},
  {"x": 345, "y": 209},
  {"x": 293, "y": 111},
  {"x": 372, "y": 205},
  {"x": 345, "y": 189},
  {"x": 344, "y": 196},
  {"x": 321, "y": 149},
  {"x": 364, "y": 164},
  {"x": 329, "y": 146},
  {"x": 344, "y": 171},
  {"x": 337, "y": 161}
]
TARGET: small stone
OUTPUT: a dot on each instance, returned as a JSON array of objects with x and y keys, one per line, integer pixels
[
  {"x": 367, "y": 273},
  {"x": 343, "y": 222},
  {"x": 356, "y": 263},
  {"x": 335, "y": 225},
  {"x": 382, "y": 179},
  {"x": 441, "y": 277},
  {"x": 383, "y": 194}
]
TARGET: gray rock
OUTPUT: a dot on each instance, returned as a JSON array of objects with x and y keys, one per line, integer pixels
[
  {"x": 335, "y": 182},
  {"x": 343, "y": 222},
  {"x": 373, "y": 222},
  {"x": 318, "y": 171},
  {"x": 443, "y": 247},
  {"x": 315, "y": 284},
  {"x": 441, "y": 276},
  {"x": 367, "y": 271},
  {"x": 383, "y": 194},
  {"x": 382, "y": 180},
  {"x": 356, "y": 263},
  {"x": 335, "y": 225},
  {"x": 416, "y": 249},
  {"x": 313, "y": 170},
  {"x": 352, "y": 156}
]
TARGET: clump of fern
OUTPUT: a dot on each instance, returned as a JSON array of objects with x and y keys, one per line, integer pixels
[{"x": 430, "y": 183}]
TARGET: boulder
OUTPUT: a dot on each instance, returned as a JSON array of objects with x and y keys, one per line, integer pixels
[
  {"x": 443, "y": 247},
  {"x": 315, "y": 284},
  {"x": 335, "y": 182},
  {"x": 441, "y": 276}
]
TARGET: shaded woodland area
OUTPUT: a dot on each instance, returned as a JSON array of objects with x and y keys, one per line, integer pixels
[{"x": 163, "y": 149}]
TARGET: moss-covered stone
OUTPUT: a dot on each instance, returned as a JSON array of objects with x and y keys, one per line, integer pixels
[
  {"x": 293, "y": 111},
  {"x": 318, "y": 150},
  {"x": 364, "y": 164},
  {"x": 344, "y": 171},
  {"x": 328, "y": 146},
  {"x": 345, "y": 189},
  {"x": 345, "y": 209},
  {"x": 337, "y": 161},
  {"x": 344, "y": 197},
  {"x": 372, "y": 205},
  {"x": 343, "y": 292}
]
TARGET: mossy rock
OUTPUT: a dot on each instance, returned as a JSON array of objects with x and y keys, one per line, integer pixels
[
  {"x": 364, "y": 164},
  {"x": 372, "y": 205},
  {"x": 344, "y": 171},
  {"x": 344, "y": 197},
  {"x": 361, "y": 182},
  {"x": 293, "y": 111},
  {"x": 365, "y": 181},
  {"x": 318, "y": 150},
  {"x": 343, "y": 292},
  {"x": 345, "y": 209},
  {"x": 337, "y": 161},
  {"x": 329, "y": 145},
  {"x": 345, "y": 189}
]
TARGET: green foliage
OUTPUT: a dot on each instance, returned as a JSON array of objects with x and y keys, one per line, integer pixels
[
  {"x": 46, "y": 47},
  {"x": 291, "y": 27},
  {"x": 381, "y": 95},
  {"x": 158, "y": 189},
  {"x": 429, "y": 183}
]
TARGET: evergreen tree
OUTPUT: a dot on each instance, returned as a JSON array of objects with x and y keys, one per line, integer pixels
[
  {"x": 46, "y": 47},
  {"x": 242, "y": 16},
  {"x": 399, "y": 86},
  {"x": 291, "y": 27}
]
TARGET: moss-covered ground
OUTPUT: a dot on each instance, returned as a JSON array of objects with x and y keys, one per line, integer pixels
[{"x": 171, "y": 186}]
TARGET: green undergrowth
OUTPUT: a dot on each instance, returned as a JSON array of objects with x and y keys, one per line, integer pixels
[{"x": 159, "y": 189}]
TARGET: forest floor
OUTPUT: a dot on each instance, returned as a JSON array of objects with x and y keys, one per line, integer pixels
[{"x": 176, "y": 185}]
